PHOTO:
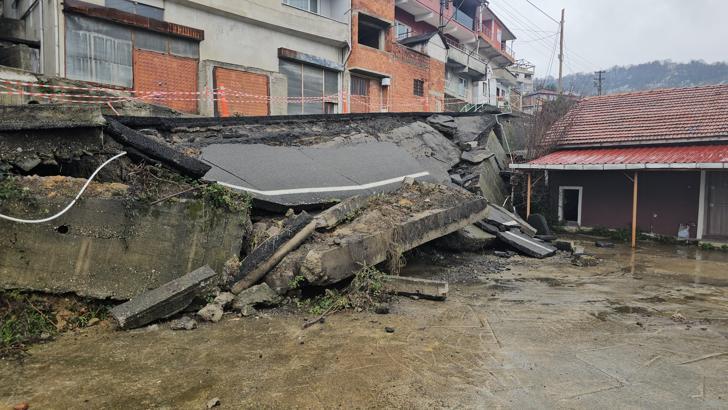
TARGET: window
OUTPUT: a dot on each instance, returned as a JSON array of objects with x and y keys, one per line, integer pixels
[
  {"x": 148, "y": 40},
  {"x": 370, "y": 33},
  {"x": 97, "y": 51},
  {"x": 419, "y": 88},
  {"x": 359, "y": 86},
  {"x": 402, "y": 30},
  {"x": 462, "y": 86},
  {"x": 134, "y": 7},
  {"x": 311, "y": 90},
  {"x": 307, "y": 5}
]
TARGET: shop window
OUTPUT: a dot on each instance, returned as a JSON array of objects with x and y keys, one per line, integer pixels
[
  {"x": 419, "y": 88},
  {"x": 311, "y": 90},
  {"x": 99, "y": 52}
]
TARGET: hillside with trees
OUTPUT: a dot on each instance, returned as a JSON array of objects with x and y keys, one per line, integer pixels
[{"x": 656, "y": 74}]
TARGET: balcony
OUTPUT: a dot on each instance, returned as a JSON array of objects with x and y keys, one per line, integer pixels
[
  {"x": 462, "y": 22},
  {"x": 464, "y": 61}
]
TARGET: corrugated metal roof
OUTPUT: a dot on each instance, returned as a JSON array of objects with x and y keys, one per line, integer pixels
[
  {"x": 668, "y": 157},
  {"x": 646, "y": 117}
]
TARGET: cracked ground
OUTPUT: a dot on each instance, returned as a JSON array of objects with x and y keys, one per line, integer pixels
[{"x": 647, "y": 329}]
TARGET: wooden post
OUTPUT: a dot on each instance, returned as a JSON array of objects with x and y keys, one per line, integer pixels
[
  {"x": 528, "y": 197},
  {"x": 634, "y": 212}
]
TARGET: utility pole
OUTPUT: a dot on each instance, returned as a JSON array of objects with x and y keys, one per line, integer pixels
[
  {"x": 443, "y": 5},
  {"x": 561, "y": 53},
  {"x": 598, "y": 80}
]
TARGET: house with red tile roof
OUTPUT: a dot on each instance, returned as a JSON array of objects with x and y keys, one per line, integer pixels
[{"x": 652, "y": 161}]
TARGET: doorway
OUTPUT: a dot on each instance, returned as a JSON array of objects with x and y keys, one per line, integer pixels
[
  {"x": 570, "y": 205},
  {"x": 717, "y": 205}
]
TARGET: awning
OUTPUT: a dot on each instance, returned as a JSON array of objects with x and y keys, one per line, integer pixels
[{"x": 672, "y": 157}]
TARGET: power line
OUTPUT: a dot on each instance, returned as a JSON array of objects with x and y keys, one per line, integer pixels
[{"x": 543, "y": 12}]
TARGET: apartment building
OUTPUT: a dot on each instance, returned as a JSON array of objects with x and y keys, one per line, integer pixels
[
  {"x": 212, "y": 57},
  {"x": 400, "y": 61},
  {"x": 269, "y": 57}
]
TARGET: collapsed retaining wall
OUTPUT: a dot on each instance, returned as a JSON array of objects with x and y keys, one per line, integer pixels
[{"x": 108, "y": 246}]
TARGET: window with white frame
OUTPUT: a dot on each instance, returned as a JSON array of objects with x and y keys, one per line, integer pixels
[{"x": 311, "y": 6}]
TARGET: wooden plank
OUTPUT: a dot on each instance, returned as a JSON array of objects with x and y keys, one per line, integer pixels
[
  {"x": 265, "y": 250},
  {"x": 126, "y": 136},
  {"x": 165, "y": 300},
  {"x": 528, "y": 197}
]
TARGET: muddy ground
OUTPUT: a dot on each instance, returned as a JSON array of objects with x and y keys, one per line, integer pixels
[{"x": 517, "y": 333}]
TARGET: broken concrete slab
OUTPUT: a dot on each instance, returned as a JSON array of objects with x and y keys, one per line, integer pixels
[
  {"x": 183, "y": 323},
  {"x": 564, "y": 245},
  {"x": 538, "y": 222},
  {"x": 469, "y": 239},
  {"x": 279, "y": 177},
  {"x": 260, "y": 295},
  {"x": 164, "y": 301},
  {"x": 108, "y": 246},
  {"x": 443, "y": 123},
  {"x": 157, "y": 150},
  {"x": 491, "y": 183},
  {"x": 424, "y": 288},
  {"x": 502, "y": 218},
  {"x": 471, "y": 128},
  {"x": 476, "y": 156},
  {"x": 326, "y": 265},
  {"x": 49, "y": 116},
  {"x": 526, "y": 244},
  {"x": 338, "y": 213}
]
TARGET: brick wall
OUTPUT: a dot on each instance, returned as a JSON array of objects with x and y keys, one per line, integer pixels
[
  {"x": 163, "y": 72},
  {"x": 403, "y": 65},
  {"x": 243, "y": 82},
  {"x": 383, "y": 9}
]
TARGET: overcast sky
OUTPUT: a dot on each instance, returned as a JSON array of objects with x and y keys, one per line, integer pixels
[{"x": 602, "y": 33}]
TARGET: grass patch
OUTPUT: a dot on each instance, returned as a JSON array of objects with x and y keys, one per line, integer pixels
[{"x": 364, "y": 292}]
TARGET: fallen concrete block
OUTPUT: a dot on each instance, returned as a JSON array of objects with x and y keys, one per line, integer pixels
[
  {"x": 164, "y": 301},
  {"x": 424, "y": 288},
  {"x": 526, "y": 244},
  {"x": 538, "y": 222},
  {"x": 443, "y": 123},
  {"x": 126, "y": 136},
  {"x": 342, "y": 211},
  {"x": 183, "y": 323},
  {"x": 476, "y": 156},
  {"x": 469, "y": 239},
  {"x": 564, "y": 245},
  {"x": 258, "y": 295},
  {"x": 212, "y": 312},
  {"x": 51, "y": 116},
  {"x": 326, "y": 265}
]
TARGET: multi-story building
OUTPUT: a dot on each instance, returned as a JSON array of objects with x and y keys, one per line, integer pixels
[
  {"x": 268, "y": 57},
  {"x": 252, "y": 57},
  {"x": 471, "y": 42},
  {"x": 532, "y": 102}
]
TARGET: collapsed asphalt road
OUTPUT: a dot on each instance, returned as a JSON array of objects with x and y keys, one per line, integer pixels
[{"x": 513, "y": 332}]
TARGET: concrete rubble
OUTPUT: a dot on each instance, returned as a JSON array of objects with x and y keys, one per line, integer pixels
[{"x": 396, "y": 182}]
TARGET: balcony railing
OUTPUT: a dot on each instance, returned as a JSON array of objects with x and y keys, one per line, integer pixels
[{"x": 464, "y": 19}]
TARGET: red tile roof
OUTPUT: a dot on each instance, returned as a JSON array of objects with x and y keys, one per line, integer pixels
[
  {"x": 666, "y": 157},
  {"x": 646, "y": 117}
]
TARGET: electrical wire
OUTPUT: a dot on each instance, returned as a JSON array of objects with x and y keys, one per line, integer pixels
[{"x": 67, "y": 208}]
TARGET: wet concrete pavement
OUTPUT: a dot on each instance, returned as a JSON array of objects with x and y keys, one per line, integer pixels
[{"x": 540, "y": 334}]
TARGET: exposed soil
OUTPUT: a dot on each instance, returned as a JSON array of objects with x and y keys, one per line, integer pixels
[{"x": 537, "y": 333}]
